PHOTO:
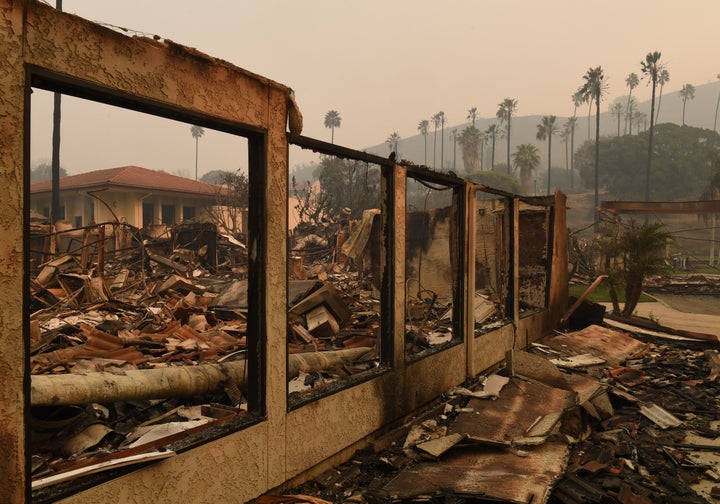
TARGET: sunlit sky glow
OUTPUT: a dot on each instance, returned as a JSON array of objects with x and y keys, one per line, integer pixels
[{"x": 386, "y": 65}]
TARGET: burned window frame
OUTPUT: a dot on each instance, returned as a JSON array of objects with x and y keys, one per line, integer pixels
[
  {"x": 387, "y": 269},
  {"x": 528, "y": 210},
  {"x": 503, "y": 259},
  {"x": 459, "y": 279},
  {"x": 45, "y": 79}
]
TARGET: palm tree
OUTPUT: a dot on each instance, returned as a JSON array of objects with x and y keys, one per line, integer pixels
[
  {"x": 472, "y": 115},
  {"x": 483, "y": 139},
  {"x": 393, "y": 140},
  {"x": 504, "y": 113},
  {"x": 629, "y": 114},
  {"x": 640, "y": 120},
  {"x": 442, "y": 138},
  {"x": 546, "y": 129},
  {"x": 565, "y": 139},
  {"x": 423, "y": 127},
  {"x": 571, "y": 124},
  {"x": 593, "y": 89},
  {"x": 663, "y": 78},
  {"x": 632, "y": 81},
  {"x": 616, "y": 109},
  {"x": 526, "y": 159},
  {"x": 717, "y": 106},
  {"x": 470, "y": 140},
  {"x": 453, "y": 135},
  {"x": 196, "y": 132},
  {"x": 491, "y": 136},
  {"x": 641, "y": 247},
  {"x": 651, "y": 69},
  {"x": 436, "y": 122},
  {"x": 332, "y": 121},
  {"x": 686, "y": 93}
]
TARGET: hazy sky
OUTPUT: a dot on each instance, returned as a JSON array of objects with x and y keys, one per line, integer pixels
[{"x": 386, "y": 65}]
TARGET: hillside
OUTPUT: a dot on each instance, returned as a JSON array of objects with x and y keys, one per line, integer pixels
[{"x": 699, "y": 112}]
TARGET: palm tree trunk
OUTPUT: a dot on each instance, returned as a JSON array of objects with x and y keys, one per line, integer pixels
[
  {"x": 597, "y": 163},
  {"x": 508, "y": 143},
  {"x": 196, "y": 156},
  {"x": 683, "y": 116},
  {"x": 435, "y": 149},
  {"x": 650, "y": 144},
  {"x": 572, "y": 156},
  {"x": 425, "y": 137},
  {"x": 657, "y": 114},
  {"x": 717, "y": 106},
  {"x": 627, "y": 107},
  {"x": 549, "y": 159},
  {"x": 492, "y": 157}
]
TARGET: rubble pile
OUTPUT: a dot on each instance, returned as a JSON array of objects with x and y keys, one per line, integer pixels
[
  {"x": 643, "y": 427},
  {"x": 138, "y": 343}
]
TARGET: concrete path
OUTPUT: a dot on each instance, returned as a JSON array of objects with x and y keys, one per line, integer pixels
[{"x": 663, "y": 311}]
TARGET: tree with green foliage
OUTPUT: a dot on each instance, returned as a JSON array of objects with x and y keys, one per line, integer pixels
[
  {"x": 347, "y": 184},
  {"x": 423, "y": 127},
  {"x": 546, "y": 130},
  {"x": 593, "y": 89},
  {"x": 43, "y": 172},
  {"x": 639, "y": 254},
  {"x": 651, "y": 69},
  {"x": 231, "y": 203},
  {"x": 332, "y": 121},
  {"x": 631, "y": 82},
  {"x": 470, "y": 140},
  {"x": 496, "y": 180},
  {"x": 680, "y": 169},
  {"x": 686, "y": 93},
  {"x": 216, "y": 177},
  {"x": 526, "y": 159},
  {"x": 505, "y": 112}
]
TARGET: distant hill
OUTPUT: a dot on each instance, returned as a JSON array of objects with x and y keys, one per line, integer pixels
[{"x": 699, "y": 112}]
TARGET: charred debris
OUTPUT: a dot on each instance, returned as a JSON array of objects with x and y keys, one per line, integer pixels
[{"x": 139, "y": 337}]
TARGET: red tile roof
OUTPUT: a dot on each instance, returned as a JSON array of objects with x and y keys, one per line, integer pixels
[{"x": 130, "y": 177}]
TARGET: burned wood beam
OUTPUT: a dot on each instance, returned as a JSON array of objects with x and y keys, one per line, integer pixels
[
  {"x": 336, "y": 150},
  {"x": 173, "y": 381},
  {"x": 662, "y": 207}
]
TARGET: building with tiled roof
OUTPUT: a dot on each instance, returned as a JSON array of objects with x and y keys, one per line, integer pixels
[{"x": 139, "y": 195}]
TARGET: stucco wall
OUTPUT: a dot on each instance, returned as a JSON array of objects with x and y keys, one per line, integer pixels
[{"x": 12, "y": 349}]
